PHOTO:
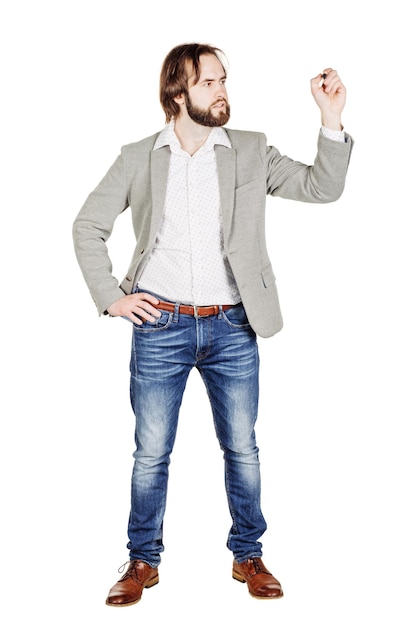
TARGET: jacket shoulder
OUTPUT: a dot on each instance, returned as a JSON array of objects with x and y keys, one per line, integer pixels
[
  {"x": 144, "y": 145},
  {"x": 136, "y": 156},
  {"x": 244, "y": 138}
]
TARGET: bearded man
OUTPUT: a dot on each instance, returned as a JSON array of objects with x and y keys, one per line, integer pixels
[{"x": 199, "y": 289}]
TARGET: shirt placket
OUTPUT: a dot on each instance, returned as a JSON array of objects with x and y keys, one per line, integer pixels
[{"x": 196, "y": 247}]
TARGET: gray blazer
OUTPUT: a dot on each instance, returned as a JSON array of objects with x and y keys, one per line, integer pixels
[{"x": 247, "y": 173}]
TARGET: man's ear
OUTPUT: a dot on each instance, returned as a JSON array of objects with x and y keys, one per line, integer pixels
[{"x": 179, "y": 99}]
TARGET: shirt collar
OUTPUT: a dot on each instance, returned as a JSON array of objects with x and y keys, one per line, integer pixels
[{"x": 167, "y": 137}]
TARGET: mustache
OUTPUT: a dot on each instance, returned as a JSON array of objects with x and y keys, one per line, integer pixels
[{"x": 219, "y": 100}]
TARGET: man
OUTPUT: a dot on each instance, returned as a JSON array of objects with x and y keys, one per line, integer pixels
[{"x": 200, "y": 287}]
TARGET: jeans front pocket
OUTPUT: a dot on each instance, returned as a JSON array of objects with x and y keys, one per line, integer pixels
[
  {"x": 236, "y": 317},
  {"x": 159, "y": 324}
]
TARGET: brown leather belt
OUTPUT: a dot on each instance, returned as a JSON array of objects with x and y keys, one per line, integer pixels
[{"x": 189, "y": 309}]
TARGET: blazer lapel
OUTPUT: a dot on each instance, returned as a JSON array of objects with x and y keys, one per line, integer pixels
[
  {"x": 159, "y": 180},
  {"x": 226, "y": 169}
]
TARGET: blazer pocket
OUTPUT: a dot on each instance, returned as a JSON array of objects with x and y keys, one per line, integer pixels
[
  {"x": 268, "y": 276},
  {"x": 252, "y": 184}
]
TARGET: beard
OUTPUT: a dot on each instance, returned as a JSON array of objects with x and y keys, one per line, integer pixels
[{"x": 205, "y": 117}]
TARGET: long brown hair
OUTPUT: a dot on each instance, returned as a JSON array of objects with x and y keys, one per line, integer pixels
[{"x": 174, "y": 75}]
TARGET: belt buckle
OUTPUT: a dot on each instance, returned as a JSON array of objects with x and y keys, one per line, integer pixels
[
  {"x": 214, "y": 308},
  {"x": 197, "y": 314}
]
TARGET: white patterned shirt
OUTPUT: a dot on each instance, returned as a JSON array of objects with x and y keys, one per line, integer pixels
[{"x": 188, "y": 263}]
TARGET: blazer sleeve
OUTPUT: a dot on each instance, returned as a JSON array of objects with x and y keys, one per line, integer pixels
[
  {"x": 91, "y": 230},
  {"x": 321, "y": 182}
]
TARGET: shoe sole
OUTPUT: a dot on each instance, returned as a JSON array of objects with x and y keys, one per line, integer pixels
[
  {"x": 151, "y": 583},
  {"x": 240, "y": 579}
]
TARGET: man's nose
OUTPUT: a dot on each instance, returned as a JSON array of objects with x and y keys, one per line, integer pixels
[{"x": 221, "y": 90}]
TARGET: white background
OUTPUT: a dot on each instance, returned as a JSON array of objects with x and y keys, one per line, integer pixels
[{"x": 336, "y": 425}]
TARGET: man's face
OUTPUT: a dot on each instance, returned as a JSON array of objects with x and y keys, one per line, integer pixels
[{"x": 206, "y": 101}]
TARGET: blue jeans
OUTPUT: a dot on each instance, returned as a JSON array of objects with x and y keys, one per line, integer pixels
[{"x": 224, "y": 349}]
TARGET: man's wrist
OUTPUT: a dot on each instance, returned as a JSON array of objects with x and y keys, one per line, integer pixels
[{"x": 332, "y": 123}]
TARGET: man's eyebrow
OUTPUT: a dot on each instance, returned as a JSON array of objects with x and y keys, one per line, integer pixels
[{"x": 208, "y": 79}]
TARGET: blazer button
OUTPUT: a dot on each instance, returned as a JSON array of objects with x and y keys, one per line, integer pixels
[
  {"x": 129, "y": 278},
  {"x": 142, "y": 251}
]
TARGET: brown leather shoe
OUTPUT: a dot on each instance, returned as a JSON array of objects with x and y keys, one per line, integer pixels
[
  {"x": 128, "y": 590},
  {"x": 261, "y": 583}
]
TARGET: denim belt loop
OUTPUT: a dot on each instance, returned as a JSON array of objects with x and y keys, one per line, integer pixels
[{"x": 176, "y": 313}]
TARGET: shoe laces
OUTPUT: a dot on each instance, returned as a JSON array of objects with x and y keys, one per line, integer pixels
[
  {"x": 258, "y": 567},
  {"x": 130, "y": 573}
]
